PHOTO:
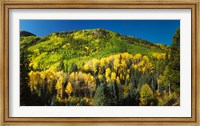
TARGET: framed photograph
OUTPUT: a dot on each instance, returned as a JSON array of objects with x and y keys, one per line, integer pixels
[{"x": 102, "y": 62}]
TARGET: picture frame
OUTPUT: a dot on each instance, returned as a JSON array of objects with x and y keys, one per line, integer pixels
[{"x": 101, "y": 4}]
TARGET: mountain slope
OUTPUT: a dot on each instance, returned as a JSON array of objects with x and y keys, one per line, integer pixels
[
  {"x": 98, "y": 67},
  {"x": 62, "y": 49},
  {"x": 25, "y": 33}
]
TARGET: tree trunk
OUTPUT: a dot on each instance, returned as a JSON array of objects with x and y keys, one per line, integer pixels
[
  {"x": 169, "y": 88},
  {"x": 158, "y": 84}
]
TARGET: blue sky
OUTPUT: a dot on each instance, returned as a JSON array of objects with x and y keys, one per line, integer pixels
[{"x": 158, "y": 31}]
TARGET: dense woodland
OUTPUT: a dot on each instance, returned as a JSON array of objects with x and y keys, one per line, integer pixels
[{"x": 97, "y": 67}]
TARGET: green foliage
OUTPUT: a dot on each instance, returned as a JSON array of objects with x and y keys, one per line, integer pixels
[
  {"x": 145, "y": 94},
  {"x": 80, "y": 46},
  {"x": 101, "y": 96},
  {"x": 113, "y": 92},
  {"x": 172, "y": 71},
  {"x": 176, "y": 39},
  {"x": 166, "y": 99},
  {"x": 98, "y": 67}
]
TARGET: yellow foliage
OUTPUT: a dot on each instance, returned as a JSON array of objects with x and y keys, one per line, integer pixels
[
  {"x": 100, "y": 77},
  {"x": 86, "y": 67},
  {"x": 135, "y": 67},
  {"x": 116, "y": 69},
  {"x": 102, "y": 62},
  {"x": 126, "y": 56},
  {"x": 127, "y": 77},
  {"x": 116, "y": 56},
  {"x": 73, "y": 77},
  {"x": 82, "y": 80},
  {"x": 87, "y": 48},
  {"x": 108, "y": 72},
  {"x": 108, "y": 80},
  {"x": 51, "y": 74},
  {"x": 149, "y": 66},
  {"x": 143, "y": 69},
  {"x": 55, "y": 38},
  {"x": 80, "y": 76},
  {"x": 118, "y": 80},
  {"x": 78, "y": 35},
  {"x": 141, "y": 63},
  {"x": 116, "y": 64},
  {"x": 85, "y": 77},
  {"x": 145, "y": 94},
  {"x": 159, "y": 56},
  {"x": 69, "y": 88},
  {"x": 59, "y": 83},
  {"x": 49, "y": 77},
  {"x": 91, "y": 82},
  {"x": 35, "y": 65},
  {"x": 34, "y": 80},
  {"x": 43, "y": 75},
  {"x": 95, "y": 62},
  {"x": 121, "y": 76},
  {"x": 123, "y": 63},
  {"x": 113, "y": 76},
  {"x": 145, "y": 58},
  {"x": 138, "y": 56}
]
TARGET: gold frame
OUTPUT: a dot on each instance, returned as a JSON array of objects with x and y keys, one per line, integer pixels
[{"x": 189, "y": 4}]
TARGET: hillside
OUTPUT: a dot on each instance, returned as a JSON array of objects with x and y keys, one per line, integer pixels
[
  {"x": 98, "y": 67},
  {"x": 25, "y": 33},
  {"x": 62, "y": 49}
]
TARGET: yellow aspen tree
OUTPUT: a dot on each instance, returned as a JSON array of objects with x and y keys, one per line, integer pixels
[
  {"x": 108, "y": 72},
  {"x": 113, "y": 76},
  {"x": 69, "y": 88},
  {"x": 118, "y": 80},
  {"x": 59, "y": 86},
  {"x": 116, "y": 64}
]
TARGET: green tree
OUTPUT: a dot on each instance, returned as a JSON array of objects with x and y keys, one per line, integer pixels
[
  {"x": 165, "y": 79},
  {"x": 146, "y": 95},
  {"x": 176, "y": 38},
  {"x": 25, "y": 93},
  {"x": 101, "y": 97},
  {"x": 133, "y": 91},
  {"x": 74, "y": 68},
  {"x": 113, "y": 91},
  {"x": 174, "y": 63},
  {"x": 26, "y": 98},
  {"x": 132, "y": 88}
]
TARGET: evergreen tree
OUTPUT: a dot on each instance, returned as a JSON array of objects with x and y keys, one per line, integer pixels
[
  {"x": 25, "y": 93},
  {"x": 101, "y": 97},
  {"x": 174, "y": 63},
  {"x": 113, "y": 91}
]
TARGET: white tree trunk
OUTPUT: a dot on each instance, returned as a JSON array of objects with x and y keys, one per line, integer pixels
[{"x": 169, "y": 88}]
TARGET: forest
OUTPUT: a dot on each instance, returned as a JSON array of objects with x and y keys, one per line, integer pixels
[{"x": 98, "y": 67}]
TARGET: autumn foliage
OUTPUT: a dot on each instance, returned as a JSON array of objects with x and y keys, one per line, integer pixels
[
  {"x": 87, "y": 77},
  {"x": 114, "y": 80}
]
